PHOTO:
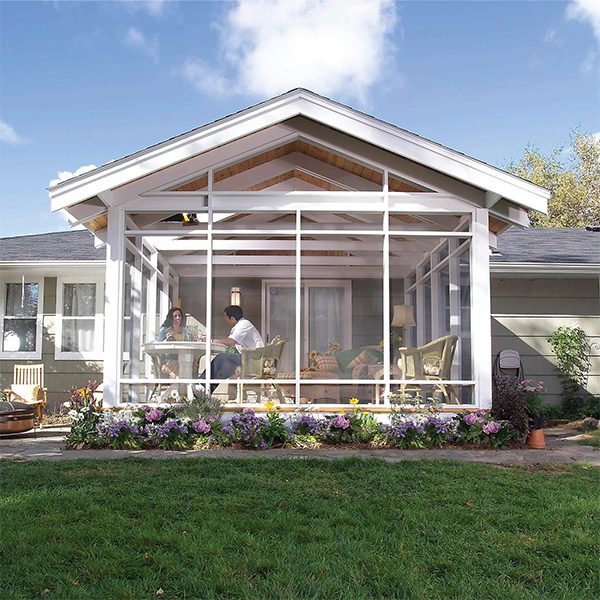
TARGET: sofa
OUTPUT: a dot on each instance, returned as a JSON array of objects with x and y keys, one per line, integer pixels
[{"x": 351, "y": 364}]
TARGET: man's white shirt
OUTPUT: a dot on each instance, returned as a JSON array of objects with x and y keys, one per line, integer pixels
[{"x": 246, "y": 335}]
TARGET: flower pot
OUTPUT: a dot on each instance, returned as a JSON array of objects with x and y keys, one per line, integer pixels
[{"x": 536, "y": 439}]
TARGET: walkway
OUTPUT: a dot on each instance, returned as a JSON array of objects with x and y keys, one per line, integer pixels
[{"x": 562, "y": 448}]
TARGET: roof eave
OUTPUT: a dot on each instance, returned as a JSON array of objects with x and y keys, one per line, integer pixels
[{"x": 282, "y": 108}]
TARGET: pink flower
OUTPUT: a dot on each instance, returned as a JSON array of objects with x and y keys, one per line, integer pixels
[
  {"x": 491, "y": 427},
  {"x": 472, "y": 418},
  {"x": 340, "y": 422},
  {"x": 201, "y": 427},
  {"x": 154, "y": 415}
]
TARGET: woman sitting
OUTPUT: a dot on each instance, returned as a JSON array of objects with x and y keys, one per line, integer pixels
[{"x": 173, "y": 330}]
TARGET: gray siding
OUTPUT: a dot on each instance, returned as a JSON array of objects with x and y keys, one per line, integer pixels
[
  {"x": 526, "y": 311},
  {"x": 60, "y": 375}
]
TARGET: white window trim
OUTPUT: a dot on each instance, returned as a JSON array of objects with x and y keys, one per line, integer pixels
[
  {"x": 39, "y": 323},
  {"x": 97, "y": 353}
]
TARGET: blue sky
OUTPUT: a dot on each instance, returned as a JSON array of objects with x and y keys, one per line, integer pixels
[{"x": 83, "y": 83}]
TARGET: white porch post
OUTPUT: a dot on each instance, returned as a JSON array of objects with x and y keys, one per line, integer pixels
[
  {"x": 113, "y": 309},
  {"x": 481, "y": 326}
]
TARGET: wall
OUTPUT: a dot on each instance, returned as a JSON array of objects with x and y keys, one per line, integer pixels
[
  {"x": 59, "y": 376},
  {"x": 526, "y": 311}
]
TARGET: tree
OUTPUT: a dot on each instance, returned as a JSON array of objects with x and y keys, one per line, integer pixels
[{"x": 572, "y": 174}]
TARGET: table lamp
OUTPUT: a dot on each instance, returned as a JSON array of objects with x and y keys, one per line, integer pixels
[{"x": 403, "y": 317}]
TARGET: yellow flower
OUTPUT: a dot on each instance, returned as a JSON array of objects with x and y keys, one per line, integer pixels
[
  {"x": 270, "y": 405},
  {"x": 353, "y": 401}
]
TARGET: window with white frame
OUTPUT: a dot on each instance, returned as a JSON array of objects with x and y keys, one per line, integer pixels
[
  {"x": 21, "y": 317},
  {"x": 79, "y": 331}
]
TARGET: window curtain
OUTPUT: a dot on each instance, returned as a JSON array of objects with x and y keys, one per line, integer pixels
[
  {"x": 325, "y": 317},
  {"x": 79, "y": 308}
]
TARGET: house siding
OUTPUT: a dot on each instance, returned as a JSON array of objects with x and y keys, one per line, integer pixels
[
  {"x": 526, "y": 311},
  {"x": 59, "y": 376}
]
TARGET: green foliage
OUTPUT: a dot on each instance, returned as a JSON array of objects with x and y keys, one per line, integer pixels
[
  {"x": 202, "y": 406},
  {"x": 509, "y": 402},
  {"x": 571, "y": 348},
  {"x": 275, "y": 433},
  {"x": 83, "y": 429},
  {"x": 573, "y": 176}
]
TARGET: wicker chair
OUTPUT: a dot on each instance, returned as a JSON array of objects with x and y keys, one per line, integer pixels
[
  {"x": 28, "y": 387},
  {"x": 431, "y": 362},
  {"x": 261, "y": 363}
]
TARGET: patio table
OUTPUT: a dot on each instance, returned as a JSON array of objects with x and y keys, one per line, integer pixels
[{"x": 188, "y": 353}]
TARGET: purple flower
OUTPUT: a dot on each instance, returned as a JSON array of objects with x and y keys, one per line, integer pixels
[
  {"x": 201, "y": 427},
  {"x": 491, "y": 427},
  {"x": 307, "y": 425},
  {"x": 154, "y": 415},
  {"x": 165, "y": 429},
  {"x": 340, "y": 422},
  {"x": 472, "y": 419}
]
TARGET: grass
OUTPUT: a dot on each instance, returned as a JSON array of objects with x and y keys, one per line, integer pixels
[{"x": 286, "y": 529}]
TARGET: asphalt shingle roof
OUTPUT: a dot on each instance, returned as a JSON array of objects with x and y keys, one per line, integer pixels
[
  {"x": 62, "y": 246},
  {"x": 548, "y": 245},
  {"x": 535, "y": 245}
]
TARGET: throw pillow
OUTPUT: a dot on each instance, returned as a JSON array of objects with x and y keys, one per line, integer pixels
[
  {"x": 327, "y": 362},
  {"x": 28, "y": 392},
  {"x": 431, "y": 368},
  {"x": 360, "y": 371},
  {"x": 366, "y": 356}
]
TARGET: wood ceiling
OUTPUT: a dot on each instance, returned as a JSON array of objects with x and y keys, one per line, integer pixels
[{"x": 325, "y": 156}]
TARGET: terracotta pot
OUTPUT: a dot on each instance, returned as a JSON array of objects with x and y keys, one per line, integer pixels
[{"x": 536, "y": 439}]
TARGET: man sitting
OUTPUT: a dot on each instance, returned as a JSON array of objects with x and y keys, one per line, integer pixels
[{"x": 242, "y": 335}]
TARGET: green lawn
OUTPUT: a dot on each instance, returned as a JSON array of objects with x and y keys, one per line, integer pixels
[{"x": 261, "y": 529}]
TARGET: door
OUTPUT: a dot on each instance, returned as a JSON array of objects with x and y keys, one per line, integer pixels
[{"x": 329, "y": 309}]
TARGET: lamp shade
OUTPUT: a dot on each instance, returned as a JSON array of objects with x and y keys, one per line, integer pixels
[
  {"x": 235, "y": 298},
  {"x": 404, "y": 316}
]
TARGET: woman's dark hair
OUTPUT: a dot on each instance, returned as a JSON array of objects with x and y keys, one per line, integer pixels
[
  {"x": 234, "y": 311},
  {"x": 168, "y": 322}
]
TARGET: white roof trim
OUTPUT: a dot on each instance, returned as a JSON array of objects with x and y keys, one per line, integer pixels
[
  {"x": 516, "y": 268},
  {"x": 282, "y": 108}
]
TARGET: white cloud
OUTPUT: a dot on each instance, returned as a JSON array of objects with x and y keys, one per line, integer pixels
[
  {"x": 8, "y": 134},
  {"x": 333, "y": 47},
  {"x": 551, "y": 37},
  {"x": 153, "y": 7},
  {"x": 588, "y": 64},
  {"x": 64, "y": 175},
  {"x": 586, "y": 10},
  {"x": 135, "y": 38}
]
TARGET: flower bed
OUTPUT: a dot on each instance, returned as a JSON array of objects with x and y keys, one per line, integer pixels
[{"x": 152, "y": 427}]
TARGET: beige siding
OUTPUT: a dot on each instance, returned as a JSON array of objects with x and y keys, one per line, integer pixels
[{"x": 526, "y": 311}]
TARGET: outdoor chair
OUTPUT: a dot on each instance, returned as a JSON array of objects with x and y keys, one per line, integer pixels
[
  {"x": 261, "y": 363},
  {"x": 431, "y": 362},
  {"x": 28, "y": 387}
]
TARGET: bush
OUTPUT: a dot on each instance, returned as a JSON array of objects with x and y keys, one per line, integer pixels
[
  {"x": 571, "y": 348},
  {"x": 509, "y": 402},
  {"x": 202, "y": 406}
]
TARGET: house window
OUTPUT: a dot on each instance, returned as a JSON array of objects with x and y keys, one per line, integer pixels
[
  {"x": 79, "y": 319},
  {"x": 20, "y": 311}
]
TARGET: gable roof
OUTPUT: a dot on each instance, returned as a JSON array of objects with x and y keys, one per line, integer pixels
[
  {"x": 548, "y": 246},
  {"x": 317, "y": 108},
  {"x": 63, "y": 246}
]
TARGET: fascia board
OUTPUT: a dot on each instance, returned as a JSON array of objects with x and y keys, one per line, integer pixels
[
  {"x": 314, "y": 107},
  {"x": 428, "y": 153},
  {"x": 52, "y": 266},
  {"x": 171, "y": 152},
  {"x": 524, "y": 268}
]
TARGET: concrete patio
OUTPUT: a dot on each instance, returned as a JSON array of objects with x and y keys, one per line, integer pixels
[{"x": 561, "y": 448}]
